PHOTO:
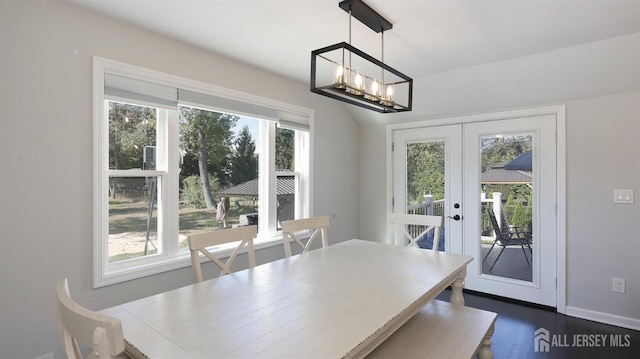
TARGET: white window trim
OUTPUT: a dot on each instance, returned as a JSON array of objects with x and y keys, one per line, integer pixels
[{"x": 172, "y": 258}]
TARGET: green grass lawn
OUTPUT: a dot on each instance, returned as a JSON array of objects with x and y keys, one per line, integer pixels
[
  {"x": 131, "y": 216},
  {"x": 126, "y": 215}
]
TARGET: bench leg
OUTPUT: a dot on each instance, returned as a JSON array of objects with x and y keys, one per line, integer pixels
[
  {"x": 456, "y": 293},
  {"x": 485, "y": 351}
]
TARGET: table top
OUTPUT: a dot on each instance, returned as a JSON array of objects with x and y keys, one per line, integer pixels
[{"x": 336, "y": 302}]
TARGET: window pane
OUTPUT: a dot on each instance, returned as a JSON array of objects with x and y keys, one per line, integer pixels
[
  {"x": 133, "y": 219},
  {"x": 285, "y": 149},
  {"x": 286, "y": 195},
  {"x": 132, "y": 137},
  {"x": 221, "y": 149},
  {"x": 285, "y": 184}
]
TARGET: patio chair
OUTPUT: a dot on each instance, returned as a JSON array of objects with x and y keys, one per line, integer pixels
[
  {"x": 411, "y": 224},
  {"x": 319, "y": 225},
  {"x": 79, "y": 325},
  {"x": 506, "y": 237},
  {"x": 199, "y": 243}
]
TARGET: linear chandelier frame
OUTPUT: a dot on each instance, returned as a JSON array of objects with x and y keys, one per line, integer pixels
[{"x": 390, "y": 90}]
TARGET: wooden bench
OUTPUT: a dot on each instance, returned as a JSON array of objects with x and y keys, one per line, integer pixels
[{"x": 440, "y": 330}]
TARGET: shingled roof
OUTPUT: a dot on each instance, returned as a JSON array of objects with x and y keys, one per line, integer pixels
[
  {"x": 285, "y": 185},
  {"x": 499, "y": 174}
]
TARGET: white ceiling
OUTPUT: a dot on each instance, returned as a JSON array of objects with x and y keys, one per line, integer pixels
[{"x": 428, "y": 36}]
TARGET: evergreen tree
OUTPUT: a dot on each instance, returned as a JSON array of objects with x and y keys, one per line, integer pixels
[
  {"x": 244, "y": 163},
  {"x": 425, "y": 170},
  {"x": 285, "y": 147},
  {"x": 509, "y": 208}
]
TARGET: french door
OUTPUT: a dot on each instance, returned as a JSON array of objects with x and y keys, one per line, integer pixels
[{"x": 494, "y": 183}]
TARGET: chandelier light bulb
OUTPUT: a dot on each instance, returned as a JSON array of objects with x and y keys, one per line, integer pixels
[
  {"x": 358, "y": 80},
  {"x": 374, "y": 87},
  {"x": 339, "y": 74}
]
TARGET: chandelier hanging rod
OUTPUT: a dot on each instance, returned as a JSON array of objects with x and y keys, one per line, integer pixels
[{"x": 366, "y": 15}]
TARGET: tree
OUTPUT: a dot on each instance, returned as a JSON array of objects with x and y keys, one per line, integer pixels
[
  {"x": 244, "y": 164},
  {"x": 509, "y": 208},
  {"x": 519, "y": 218},
  {"x": 500, "y": 150},
  {"x": 131, "y": 128},
  {"x": 207, "y": 135},
  {"x": 425, "y": 170},
  {"x": 285, "y": 147}
]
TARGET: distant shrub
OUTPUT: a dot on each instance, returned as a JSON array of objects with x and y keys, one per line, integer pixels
[
  {"x": 519, "y": 218},
  {"x": 191, "y": 193}
]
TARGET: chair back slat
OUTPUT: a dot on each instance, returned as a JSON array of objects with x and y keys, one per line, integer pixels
[
  {"x": 403, "y": 221},
  {"x": 291, "y": 230},
  {"x": 198, "y": 243}
]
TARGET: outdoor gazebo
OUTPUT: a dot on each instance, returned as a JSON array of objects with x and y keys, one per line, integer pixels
[{"x": 285, "y": 192}]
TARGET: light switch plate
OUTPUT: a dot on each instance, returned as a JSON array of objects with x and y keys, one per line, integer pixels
[{"x": 622, "y": 196}]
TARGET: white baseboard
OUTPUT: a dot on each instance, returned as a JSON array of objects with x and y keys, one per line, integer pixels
[
  {"x": 606, "y": 318},
  {"x": 46, "y": 356}
]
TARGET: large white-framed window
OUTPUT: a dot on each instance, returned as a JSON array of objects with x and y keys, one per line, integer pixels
[{"x": 158, "y": 137}]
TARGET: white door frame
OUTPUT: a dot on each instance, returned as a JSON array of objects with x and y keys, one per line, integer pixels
[{"x": 559, "y": 112}]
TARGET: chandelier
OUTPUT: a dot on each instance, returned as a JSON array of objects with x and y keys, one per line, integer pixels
[{"x": 347, "y": 74}]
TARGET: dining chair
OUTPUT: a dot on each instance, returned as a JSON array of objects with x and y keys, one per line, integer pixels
[
  {"x": 506, "y": 237},
  {"x": 411, "y": 225},
  {"x": 198, "y": 243},
  {"x": 79, "y": 325},
  {"x": 293, "y": 230}
]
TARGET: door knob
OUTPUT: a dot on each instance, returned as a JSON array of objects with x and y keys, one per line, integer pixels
[{"x": 456, "y": 217}]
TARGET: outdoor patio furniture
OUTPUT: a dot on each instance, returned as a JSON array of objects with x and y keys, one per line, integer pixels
[{"x": 506, "y": 237}]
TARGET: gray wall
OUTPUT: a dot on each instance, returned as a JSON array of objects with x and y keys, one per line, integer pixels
[
  {"x": 46, "y": 158},
  {"x": 602, "y": 125}
]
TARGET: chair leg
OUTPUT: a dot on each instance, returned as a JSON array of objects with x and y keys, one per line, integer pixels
[
  {"x": 487, "y": 255},
  {"x": 496, "y": 261},
  {"x": 525, "y": 254}
]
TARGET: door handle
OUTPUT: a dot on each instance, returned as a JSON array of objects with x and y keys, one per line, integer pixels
[{"x": 456, "y": 217}]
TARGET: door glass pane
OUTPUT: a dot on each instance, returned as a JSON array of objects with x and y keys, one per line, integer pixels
[
  {"x": 506, "y": 182},
  {"x": 425, "y": 186}
]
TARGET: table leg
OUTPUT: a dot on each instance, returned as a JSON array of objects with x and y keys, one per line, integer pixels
[
  {"x": 485, "y": 351},
  {"x": 456, "y": 290}
]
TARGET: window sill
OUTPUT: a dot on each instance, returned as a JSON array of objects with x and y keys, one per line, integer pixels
[{"x": 183, "y": 260}]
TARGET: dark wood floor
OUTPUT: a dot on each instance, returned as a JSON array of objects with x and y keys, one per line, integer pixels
[{"x": 513, "y": 337}]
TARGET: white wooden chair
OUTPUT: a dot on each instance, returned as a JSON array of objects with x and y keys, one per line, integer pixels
[
  {"x": 198, "y": 243},
  {"x": 319, "y": 225},
  {"x": 77, "y": 324},
  {"x": 399, "y": 222}
]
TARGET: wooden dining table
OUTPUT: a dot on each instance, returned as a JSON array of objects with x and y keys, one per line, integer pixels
[{"x": 336, "y": 302}]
